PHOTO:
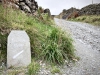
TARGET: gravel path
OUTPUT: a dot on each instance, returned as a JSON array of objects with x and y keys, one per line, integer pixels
[{"x": 87, "y": 45}]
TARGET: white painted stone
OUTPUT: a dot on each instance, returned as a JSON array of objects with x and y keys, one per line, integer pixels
[{"x": 18, "y": 49}]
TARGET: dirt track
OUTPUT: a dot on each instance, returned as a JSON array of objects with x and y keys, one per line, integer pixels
[{"x": 87, "y": 44}]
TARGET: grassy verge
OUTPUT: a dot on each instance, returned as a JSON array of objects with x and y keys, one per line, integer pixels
[
  {"x": 47, "y": 42},
  {"x": 92, "y": 19}
]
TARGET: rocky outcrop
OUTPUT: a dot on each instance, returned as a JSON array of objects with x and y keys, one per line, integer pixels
[
  {"x": 92, "y": 9},
  {"x": 29, "y": 6},
  {"x": 72, "y": 12}
]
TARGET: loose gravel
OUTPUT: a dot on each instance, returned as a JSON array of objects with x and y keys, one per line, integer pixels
[{"x": 87, "y": 44}]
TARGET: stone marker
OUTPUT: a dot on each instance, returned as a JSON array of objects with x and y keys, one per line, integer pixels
[{"x": 18, "y": 49}]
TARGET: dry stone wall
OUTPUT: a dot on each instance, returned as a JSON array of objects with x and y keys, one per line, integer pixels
[{"x": 29, "y": 6}]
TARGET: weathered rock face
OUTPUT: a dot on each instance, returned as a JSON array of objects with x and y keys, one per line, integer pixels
[
  {"x": 68, "y": 13},
  {"x": 29, "y": 6},
  {"x": 92, "y": 9},
  {"x": 70, "y": 10}
]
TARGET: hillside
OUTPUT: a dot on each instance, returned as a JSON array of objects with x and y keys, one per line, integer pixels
[
  {"x": 92, "y": 9},
  {"x": 48, "y": 43}
]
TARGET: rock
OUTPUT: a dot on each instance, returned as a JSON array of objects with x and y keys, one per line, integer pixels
[
  {"x": 22, "y": 4},
  {"x": 66, "y": 14},
  {"x": 26, "y": 9},
  {"x": 33, "y": 7},
  {"x": 33, "y": 11},
  {"x": 28, "y": 3},
  {"x": 47, "y": 11},
  {"x": 18, "y": 49}
]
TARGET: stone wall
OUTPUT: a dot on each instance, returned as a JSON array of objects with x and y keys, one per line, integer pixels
[{"x": 29, "y": 6}]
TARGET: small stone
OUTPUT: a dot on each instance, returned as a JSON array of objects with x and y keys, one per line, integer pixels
[
  {"x": 56, "y": 74},
  {"x": 43, "y": 65},
  {"x": 42, "y": 72},
  {"x": 0, "y": 67},
  {"x": 48, "y": 71},
  {"x": 66, "y": 61},
  {"x": 63, "y": 74},
  {"x": 2, "y": 63}
]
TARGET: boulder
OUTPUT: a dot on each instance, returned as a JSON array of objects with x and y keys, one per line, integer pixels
[{"x": 47, "y": 11}]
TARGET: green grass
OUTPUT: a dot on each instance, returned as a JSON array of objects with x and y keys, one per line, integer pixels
[
  {"x": 58, "y": 47},
  {"x": 55, "y": 69},
  {"x": 47, "y": 42},
  {"x": 92, "y": 19},
  {"x": 33, "y": 68}
]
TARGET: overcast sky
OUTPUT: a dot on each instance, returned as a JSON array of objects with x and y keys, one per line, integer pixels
[{"x": 56, "y": 6}]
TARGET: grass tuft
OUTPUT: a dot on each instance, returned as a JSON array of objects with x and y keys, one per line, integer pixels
[
  {"x": 58, "y": 47},
  {"x": 33, "y": 68}
]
